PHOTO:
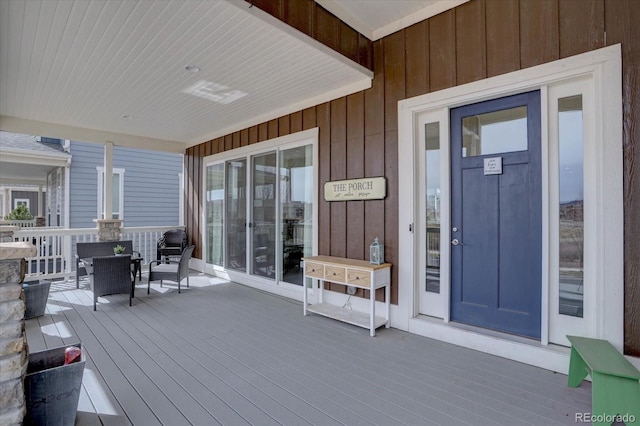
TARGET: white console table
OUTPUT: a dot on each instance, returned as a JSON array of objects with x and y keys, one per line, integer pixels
[{"x": 350, "y": 272}]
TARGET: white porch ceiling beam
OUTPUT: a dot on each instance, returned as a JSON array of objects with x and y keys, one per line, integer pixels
[{"x": 60, "y": 131}]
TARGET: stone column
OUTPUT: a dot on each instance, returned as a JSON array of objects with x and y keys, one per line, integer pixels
[
  {"x": 13, "y": 344},
  {"x": 109, "y": 229}
]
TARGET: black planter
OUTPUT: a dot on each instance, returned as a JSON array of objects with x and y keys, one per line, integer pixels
[
  {"x": 36, "y": 294},
  {"x": 52, "y": 388}
]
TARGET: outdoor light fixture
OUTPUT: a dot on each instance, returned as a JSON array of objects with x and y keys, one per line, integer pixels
[{"x": 192, "y": 68}]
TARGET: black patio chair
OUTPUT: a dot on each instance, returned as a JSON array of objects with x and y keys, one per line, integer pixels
[
  {"x": 171, "y": 270},
  {"x": 172, "y": 243},
  {"x": 111, "y": 275}
]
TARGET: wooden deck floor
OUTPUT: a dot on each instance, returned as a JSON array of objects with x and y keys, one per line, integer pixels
[{"x": 223, "y": 353}]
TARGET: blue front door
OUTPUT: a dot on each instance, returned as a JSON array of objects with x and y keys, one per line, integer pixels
[{"x": 496, "y": 209}]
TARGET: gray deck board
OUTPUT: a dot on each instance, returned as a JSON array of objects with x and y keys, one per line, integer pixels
[{"x": 230, "y": 355}]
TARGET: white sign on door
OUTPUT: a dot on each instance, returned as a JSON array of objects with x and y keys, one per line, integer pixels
[{"x": 493, "y": 166}]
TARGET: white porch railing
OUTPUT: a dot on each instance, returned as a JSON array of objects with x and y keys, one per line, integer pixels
[
  {"x": 56, "y": 247},
  {"x": 21, "y": 223}
]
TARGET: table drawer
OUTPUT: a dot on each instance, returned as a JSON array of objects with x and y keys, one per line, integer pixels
[
  {"x": 334, "y": 273},
  {"x": 359, "y": 278},
  {"x": 314, "y": 270}
]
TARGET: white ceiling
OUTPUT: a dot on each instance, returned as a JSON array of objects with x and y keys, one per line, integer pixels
[{"x": 74, "y": 69}]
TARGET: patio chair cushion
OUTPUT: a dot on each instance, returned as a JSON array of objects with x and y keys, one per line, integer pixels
[
  {"x": 171, "y": 270},
  {"x": 111, "y": 275}
]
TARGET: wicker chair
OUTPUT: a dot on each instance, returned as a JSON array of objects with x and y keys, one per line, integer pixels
[
  {"x": 102, "y": 248},
  {"x": 171, "y": 244},
  {"x": 111, "y": 275},
  {"x": 171, "y": 270}
]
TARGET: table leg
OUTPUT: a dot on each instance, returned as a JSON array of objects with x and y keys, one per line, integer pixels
[
  {"x": 304, "y": 295},
  {"x": 372, "y": 311},
  {"x": 387, "y": 301}
]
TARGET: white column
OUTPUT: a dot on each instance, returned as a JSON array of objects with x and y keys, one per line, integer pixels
[
  {"x": 40, "y": 200},
  {"x": 6, "y": 208},
  {"x": 108, "y": 181},
  {"x": 67, "y": 198}
]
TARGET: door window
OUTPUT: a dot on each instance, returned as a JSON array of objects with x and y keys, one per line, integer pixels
[
  {"x": 296, "y": 212},
  {"x": 264, "y": 214},
  {"x": 215, "y": 214},
  {"x": 494, "y": 132},
  {"x": 433, "y": 205},
  {"x": 571, "y": 209},
  {"x": 236, "y": 214}
]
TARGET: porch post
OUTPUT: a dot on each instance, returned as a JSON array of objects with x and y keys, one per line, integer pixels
[
  {"x": 40, "y": 220},
  {"x": 107, "y": 207},
  {"x": 13, "y": 345},
  {"x": 6, "y": 208},
  {"x": 40, "y": 200}
]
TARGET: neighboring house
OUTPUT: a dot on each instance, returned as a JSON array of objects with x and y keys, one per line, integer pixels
[
  {"x": 25, "y": 164},
  {"x": 17, "y": 195},
  {"x": 510, "y": 150},
  {"x": 147, "y": 185}
]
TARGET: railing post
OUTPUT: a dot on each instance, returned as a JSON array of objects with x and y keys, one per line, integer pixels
[
  {"x": 13, "y": 345},
  {"x": 67, "y": 254}
]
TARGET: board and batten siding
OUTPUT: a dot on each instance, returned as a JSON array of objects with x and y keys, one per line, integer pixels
[
  {"x": 151, "y": 185},
  {"x": 476, "y": 40}
]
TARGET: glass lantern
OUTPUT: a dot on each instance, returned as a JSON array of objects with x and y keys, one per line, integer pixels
[{"x": 376, "y": 252}]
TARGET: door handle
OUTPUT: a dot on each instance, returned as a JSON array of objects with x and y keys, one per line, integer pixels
[{"x": 455, "y": 242}]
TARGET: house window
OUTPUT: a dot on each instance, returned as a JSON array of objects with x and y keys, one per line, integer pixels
[
  {"x": 117, "y": 192},
  {"x": 21, "y": 202}
]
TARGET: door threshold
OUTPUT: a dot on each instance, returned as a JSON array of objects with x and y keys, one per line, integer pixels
[
  {"x": 497, "y": 334},
  {"x": 551, "y": 357}
]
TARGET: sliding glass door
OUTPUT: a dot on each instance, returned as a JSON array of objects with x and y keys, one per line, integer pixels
[
  {"x": 259, "y": 213},
  {"x": 215, "y": 214},
  {"x": 296, "y": 213},
  {"x": 263, "y": 223},
  {"x": 236, "y": 215}
]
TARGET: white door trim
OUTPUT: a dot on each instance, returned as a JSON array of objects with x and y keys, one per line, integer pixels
[{"x": 604, "y": 67}]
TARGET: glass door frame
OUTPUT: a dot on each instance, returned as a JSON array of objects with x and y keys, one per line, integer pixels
[{"x": 307, "y": 137}]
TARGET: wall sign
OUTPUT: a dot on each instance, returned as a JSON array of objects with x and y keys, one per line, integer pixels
[
  {"x": 356, "y": 189},
  {"x": 493, "y": 166}
]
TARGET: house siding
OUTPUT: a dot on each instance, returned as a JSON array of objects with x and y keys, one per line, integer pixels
[
  {"x": 358, "y": 133},
  {"x": 150, "y": 179}
]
